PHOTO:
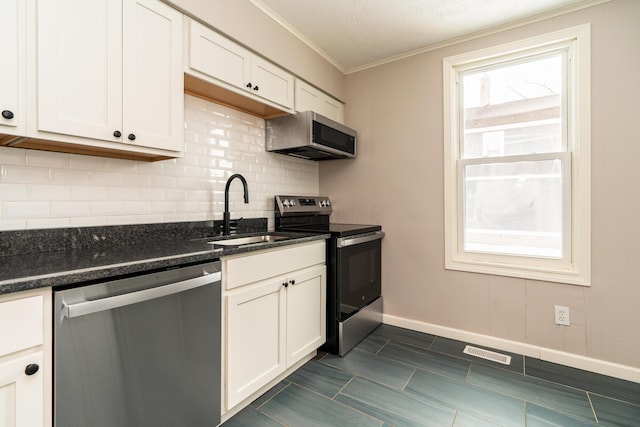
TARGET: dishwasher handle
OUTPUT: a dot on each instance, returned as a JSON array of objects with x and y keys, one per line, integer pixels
[{"x": 109, "y": 303}]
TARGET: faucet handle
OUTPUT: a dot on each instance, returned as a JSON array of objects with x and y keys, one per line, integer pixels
[{"x": 233, "y": 225}]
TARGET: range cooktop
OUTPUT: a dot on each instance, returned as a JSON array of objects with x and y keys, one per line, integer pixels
[{"x": 311, "y": 214}]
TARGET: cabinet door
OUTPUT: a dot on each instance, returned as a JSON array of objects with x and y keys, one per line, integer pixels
[
  {"x": 153, "y": 101},
  {"x": 255, "y": 332},
  {"x": 271, "y": 82},
  {"x": 310, "y": 98},
  {"x": 21, "y": 402},
  {"x": 218, "y": 57},
  {"x": 79, "y": 67},
  {"x": 12, "y": 66},
  {"x": 306, "y": 312},
  {"x": 333, "y": 109}
]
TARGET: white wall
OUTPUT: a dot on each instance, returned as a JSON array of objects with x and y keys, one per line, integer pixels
[
  {"x": 40, "y": 189},
  {"x": 397, "y": 181}
]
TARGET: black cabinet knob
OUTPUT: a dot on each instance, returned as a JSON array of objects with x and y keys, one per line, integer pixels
[
  {"x": 292, "y": 281},
  {"x": 7, "y": 114},
  {"x": 31, "y": 368},
  {"x": 132, "y": 137},
  {"x": 117, "y": 134},
  {"x": 285, "y": 284},
  {"x": 249, "y": 85},
  {"x": 256, "y": 87}
]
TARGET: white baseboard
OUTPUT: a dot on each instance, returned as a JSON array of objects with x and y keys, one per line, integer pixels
[{"x": 603, "y": 367}]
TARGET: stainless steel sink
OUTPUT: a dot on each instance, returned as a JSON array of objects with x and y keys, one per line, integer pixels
[{"x": 250, "y": 240}]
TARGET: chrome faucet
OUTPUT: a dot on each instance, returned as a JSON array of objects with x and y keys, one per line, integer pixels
[{"x": 227, "y": 216}]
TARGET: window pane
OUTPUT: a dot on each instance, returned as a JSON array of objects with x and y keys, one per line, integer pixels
[
  {"x": 514, "y": 208},
  {"x": 514, "y": 109}
]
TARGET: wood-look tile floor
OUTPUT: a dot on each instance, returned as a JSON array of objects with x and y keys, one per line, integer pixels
[{"x": 398, "y": 377}]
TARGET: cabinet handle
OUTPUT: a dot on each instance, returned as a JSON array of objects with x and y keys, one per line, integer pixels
[
  {"x": 117, "y": 134},
  {"x": 7, "y": 114},
  {"x": 132, "y": 137},
  {"x": 292, "y": 281},
  {"x": 256, "y": 88},
  {"x": 31, "y": 368},
  {"x": 249, "y": 85},
  {"x": 285, "y": 284}
]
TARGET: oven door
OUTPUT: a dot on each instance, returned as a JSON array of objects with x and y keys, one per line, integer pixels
[{"x": 358, "y": 271}]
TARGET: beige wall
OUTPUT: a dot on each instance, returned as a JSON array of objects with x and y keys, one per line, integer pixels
[
  {"x": 397, "y": 181},
  {"x": 243, "y": 21}
]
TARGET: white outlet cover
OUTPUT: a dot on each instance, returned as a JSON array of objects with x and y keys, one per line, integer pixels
[{"x": 562, "y": 315}]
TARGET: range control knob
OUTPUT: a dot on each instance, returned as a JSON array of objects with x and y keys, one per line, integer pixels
[
  {"x": 292, "y": 202},
  {"x": 285, "y": 203}
]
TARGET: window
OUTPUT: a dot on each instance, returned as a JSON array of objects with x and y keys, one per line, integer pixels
[{"x": 517, "y": 159}]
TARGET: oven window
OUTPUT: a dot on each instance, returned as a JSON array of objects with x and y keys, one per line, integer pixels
[{"x": 358, "y": 276}]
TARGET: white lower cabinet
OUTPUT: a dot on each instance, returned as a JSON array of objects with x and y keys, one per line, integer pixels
[
  {"x": 306, "y": 318},
  {"x": 272, "y": 323},
  {"x": 256, "y": 338},
  {"x": 25, "y": 360},
  {"x": 20, "y": 401}
]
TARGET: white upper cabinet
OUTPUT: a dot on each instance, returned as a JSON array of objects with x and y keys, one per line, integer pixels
[
  {"x": 110, "y": 70},
  {"x": 12, "y": 67},
  {"x": 79, "y": 67},
  {"x": 153, "y": 104},
  {"x": 217, "y": 56},
  {"x": 310, "y": 98},
  {"x": 218, "y": 60}
]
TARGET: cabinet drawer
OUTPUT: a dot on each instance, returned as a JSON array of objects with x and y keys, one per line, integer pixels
[
  {"x": 21, "y": 324},
  {"x": 247, "y": 269}
]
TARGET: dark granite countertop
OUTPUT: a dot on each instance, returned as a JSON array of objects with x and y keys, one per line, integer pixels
[{"x": 105, "y": 255}]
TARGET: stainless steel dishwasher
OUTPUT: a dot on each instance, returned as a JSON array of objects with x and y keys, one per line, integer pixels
[{"x": 140, "y": 351}]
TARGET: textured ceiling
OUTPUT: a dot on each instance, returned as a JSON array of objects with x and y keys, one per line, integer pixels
[{"x": 355, "y": 34}]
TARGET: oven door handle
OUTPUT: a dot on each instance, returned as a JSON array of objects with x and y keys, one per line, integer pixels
[
  {"x": 109, "y": 303},
  {"x": 350, "y": 241}
]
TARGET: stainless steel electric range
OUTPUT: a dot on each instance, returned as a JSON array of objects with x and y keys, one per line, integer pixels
[{"x": 354, "y": 288}]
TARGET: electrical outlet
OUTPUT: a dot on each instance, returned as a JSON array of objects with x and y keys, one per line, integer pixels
[{"x": 562, "y": 315}]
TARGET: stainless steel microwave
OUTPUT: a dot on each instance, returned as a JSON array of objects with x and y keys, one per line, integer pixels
[{"x": 311, "y": 136}]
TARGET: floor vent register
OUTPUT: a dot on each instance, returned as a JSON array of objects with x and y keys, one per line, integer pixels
[{"x": 487, "y": 354}]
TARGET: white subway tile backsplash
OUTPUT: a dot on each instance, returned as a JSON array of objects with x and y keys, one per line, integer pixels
[
  {"x": 122, "y": 193},
  {"x": 88, "y": 193},
  {"x": 13, "y": 191},
  {"x": 48, "y": 158},
  {"x": 24, "y": 174},
  {"x": 25, "y": 210},
  {"x": 12, "y": 224},
  {"x": 70, "y": 209},
  {"x": 69, "y": 176},
  {"x": 12, "y": 156},
  {"x": 150, "y": 194},
  {"x": 48, "y": 223},
  {"x": 90, "y": 163},
  {"x": 87, "y": 221},
  {"x": 121, "y": 207},
  {"x": 106, "y": 178},
  {"x": 49, "y": 192},
  {"x": 42, "y": 189},
  {"x": 123, "y": 219}
]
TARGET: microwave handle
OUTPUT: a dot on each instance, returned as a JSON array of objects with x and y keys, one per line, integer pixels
[{"x": 350, "y": 241}]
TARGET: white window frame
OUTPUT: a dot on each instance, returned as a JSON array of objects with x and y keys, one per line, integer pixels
[{"x": 575, "y": 267}]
